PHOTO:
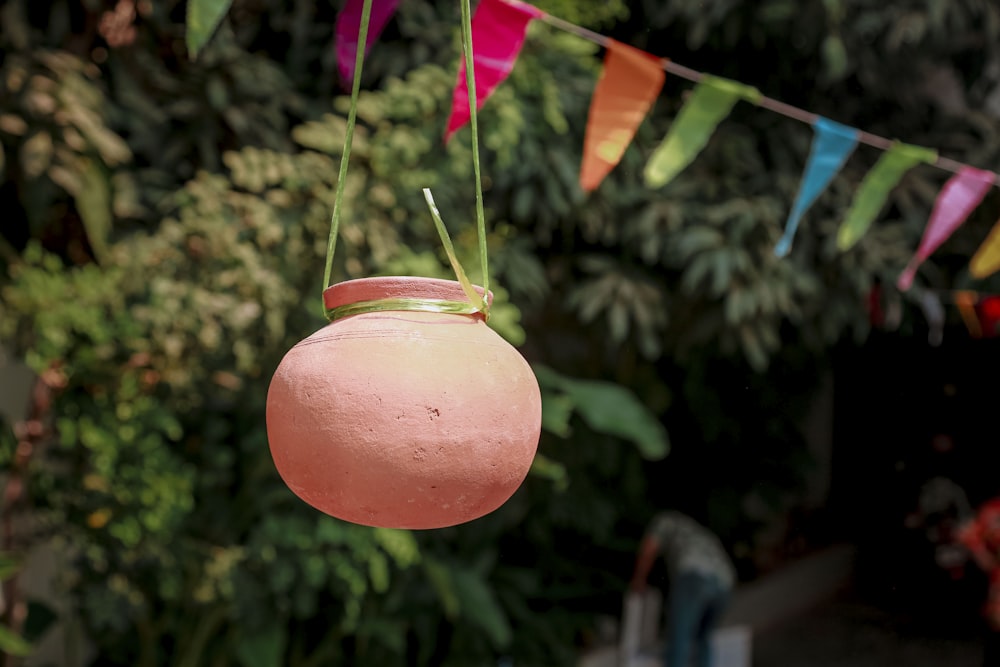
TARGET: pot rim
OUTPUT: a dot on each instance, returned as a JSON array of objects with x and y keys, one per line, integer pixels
[{"x": 374, "y": 288}]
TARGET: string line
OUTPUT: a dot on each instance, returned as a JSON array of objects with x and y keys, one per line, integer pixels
[
  {"x": 352, "y": 115},
  {"x": 470, "y": 82},
  {"x": 478, "y": 304},
  {"x": 768, "y": 103}
]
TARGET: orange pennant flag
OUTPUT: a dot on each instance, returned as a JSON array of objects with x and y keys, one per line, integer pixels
[
  {"x": 630, "y": 83},
  {"x": 966, "y": 302}
]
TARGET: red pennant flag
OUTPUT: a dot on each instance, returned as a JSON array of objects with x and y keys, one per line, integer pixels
[
  {"x": 498, "y": 30},
  {"x": 630, "y": 83},
  {"x": 958, "y": 198},
  {"x": 989, "y": 315},
  {"x": 876, "y": 316},
  {"x": 349, "y": 25}
]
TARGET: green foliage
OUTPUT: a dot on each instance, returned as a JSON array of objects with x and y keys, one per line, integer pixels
[
  {"x": 161, "y": 480},
  {"x": 606, "y": 408},
  {"x": 166, "y": 225},
  {"x": 11, "y": 643},
  {"x": 590, "y": 14},
  {"x": 57, "y": 127}
]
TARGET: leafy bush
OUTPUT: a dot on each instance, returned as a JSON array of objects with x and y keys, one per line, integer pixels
[{"x": 166, "y": 225}]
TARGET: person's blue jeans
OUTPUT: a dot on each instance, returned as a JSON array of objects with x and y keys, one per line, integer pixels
[{"x": 695, "y": 604}]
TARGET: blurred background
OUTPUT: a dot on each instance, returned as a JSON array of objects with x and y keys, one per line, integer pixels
[{"x": 163, "y": 224}]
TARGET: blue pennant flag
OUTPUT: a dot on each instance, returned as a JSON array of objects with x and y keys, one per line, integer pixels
[{"x": 832, "y": 145}]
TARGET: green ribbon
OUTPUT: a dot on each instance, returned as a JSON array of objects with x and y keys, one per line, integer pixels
[
  {"x": 875, "y": 188},
  {"x": 449, "y": 249},
  {"x": 711, "y": 101},
  {"x": 345, "y": 157},
  {"x": 411, "y": 304},
  {"x": 477, "y": 302}
]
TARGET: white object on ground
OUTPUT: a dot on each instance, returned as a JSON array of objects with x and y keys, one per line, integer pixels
[{"x": 639, "y": 644}]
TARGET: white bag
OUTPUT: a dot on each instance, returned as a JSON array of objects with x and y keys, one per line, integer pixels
[
  {"x": 640, "y": 629},
  {"x": 640, "y": 644}
]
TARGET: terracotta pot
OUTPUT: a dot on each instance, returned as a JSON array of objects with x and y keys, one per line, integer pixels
[{"x": 403, "y": 419}]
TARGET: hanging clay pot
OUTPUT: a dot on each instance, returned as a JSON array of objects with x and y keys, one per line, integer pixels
[{"x": 402, "y": 418}]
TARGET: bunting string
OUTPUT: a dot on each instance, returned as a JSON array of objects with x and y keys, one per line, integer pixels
[
  {"x": 832, "y": 146},
  {"x": 957, "y": 295},
  {"x": 979, "y": 311},
  {"x": 765, "y": 102}
]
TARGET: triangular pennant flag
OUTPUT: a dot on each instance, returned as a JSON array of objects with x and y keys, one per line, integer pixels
[
  {"x": 498, "y": 31},
  {"x": 875, "y": 188},
  {"x": 893, "y": 311},
  {"x": 349, "y": 25},
  {"x": 873, "y": 303},
  {"x": 989, "y": 315},
  {"x": 934, "y": 313},
  {"x": 832, "y": 145},
  {"x": 710, "y": 101},
  {"x": 630, "y": 83},
  {"x": 958, "y": 198},
  {"x": 986, "y": 261},
  {"x": 966, "y": 303}
]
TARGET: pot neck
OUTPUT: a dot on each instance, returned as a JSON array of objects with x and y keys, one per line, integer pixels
[{"x": 399, "y": 293}]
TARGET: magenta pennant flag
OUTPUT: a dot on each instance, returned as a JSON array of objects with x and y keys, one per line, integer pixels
[
  {"x": 347, "y": 29},
  {"x": 958, "y": 199},
  {"x": 498, "y": 30}
]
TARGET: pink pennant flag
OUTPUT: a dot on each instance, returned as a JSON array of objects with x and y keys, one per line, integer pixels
[
  {"x": 349, "y": 25},
  {"x": 958, "y": 199},
  {"x": 498, "y": 30}
]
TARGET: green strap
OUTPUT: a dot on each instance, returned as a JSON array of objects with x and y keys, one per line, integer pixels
[
  {"x": 477, "y": 302},
  {"x": 403, "y": 304},
  {"x": 481, "y": 302},
  {"x": 470, "y": 81},
  {"x": 352, "y": 115}
]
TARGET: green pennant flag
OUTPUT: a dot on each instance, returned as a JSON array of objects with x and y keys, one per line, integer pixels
[
  {"x": 711, "y": 101},
  {"x": 203, "y": 17},
  {"x": 874, "y": 190}
]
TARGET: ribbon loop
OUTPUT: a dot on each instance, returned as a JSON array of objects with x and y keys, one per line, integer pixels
[{"x": 411, "y": 304}]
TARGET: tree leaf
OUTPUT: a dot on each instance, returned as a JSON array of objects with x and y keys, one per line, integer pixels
[
  {"x": 557, "y": 409},
  {"x": 36, "y": 154},
  {"x": 834, "y": 57},
  {"x": 733, "y": 308},
  {"x": 203, "y": 17},
  {"x": 9, "y": 565},
  {"x": 263, "y": 649},
  {"x": 610, "y": 409},
  {"x": 752, "y": 348},
  {"x": 698, "y": 239},
  {"x": 614, "y": 410},
  {"x": 722, "y": 270},
  {"x": 442, "y": 583},
  {"x": 399, "y": 544},
  {"x": 696, "y": 272},
  {"x": 618, "y": 321},
  {"x": 93, "y": 202},
  {"x": 378, "y": 572},
  {"x": 480, "y": 606},
  {"x": 13, "y": 644},
  {"x": 544, "y": 467}
]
